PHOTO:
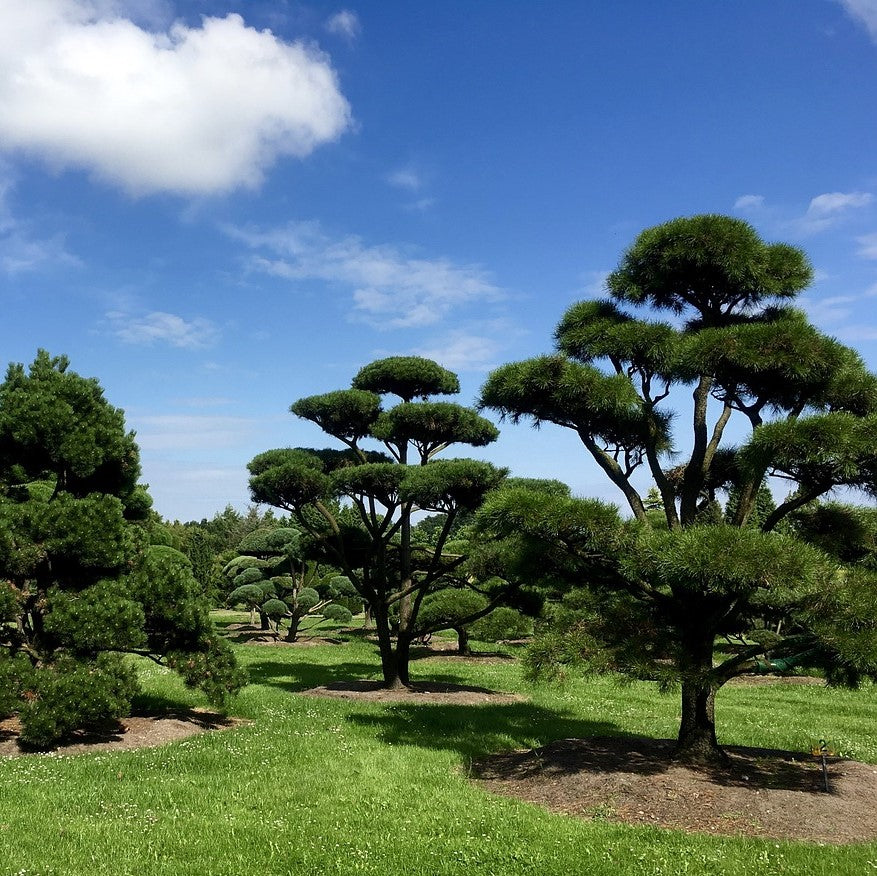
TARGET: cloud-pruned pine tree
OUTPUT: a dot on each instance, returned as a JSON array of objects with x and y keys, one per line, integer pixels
[{"x": 658, "y": 594}]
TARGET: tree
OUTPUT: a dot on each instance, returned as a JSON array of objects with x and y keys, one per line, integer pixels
[
  {"x": 357, "y": 505},
  {"x": 80, "y": 584},
  {"x": 657, "y": 598},
  {"x": 273, "y": 577}
]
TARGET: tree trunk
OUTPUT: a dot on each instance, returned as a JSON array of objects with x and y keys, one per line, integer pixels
[
  {"x": 463, "y": 641},
  {"x": 264, "y": 619},
  {"x": 697, "y": 742},
  {"x": 697, "y": 731},
  {"x": 292, "y": 632},
  {"x": 389, "y": 663},
  {"x": 403, "y": 655}
]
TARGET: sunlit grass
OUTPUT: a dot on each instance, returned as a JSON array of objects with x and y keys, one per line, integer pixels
[{"x": 320, "y": 786}]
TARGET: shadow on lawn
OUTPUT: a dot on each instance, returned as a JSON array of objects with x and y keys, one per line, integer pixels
[
  {"x": 297, "y": 677},
  {"x": 473, "y": 730}
]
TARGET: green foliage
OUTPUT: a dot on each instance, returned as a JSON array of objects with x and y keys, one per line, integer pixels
[
  {"x": 80, "y": 583},
  {"x": 715, "y": 264},
  {"x": 71, "y": 693},
  {"x": 337, "y": 613},
  {"x": 16, "y": 674},
  {"x": 501, "y": 624},
  {"x": 430, "y": 426},
  {"x": 652, "y": 597},
  {"x": 101, "y": 617},
  {"x": 408, "y": 377},
  {"x": 347, "y": 414},
  {"x": 307, "y": 599},
  {"x": 275, "y": 609},
  {"x": 357, "y": 505},
  {"x": 847, "y": 532},
  {"x": 449, "y": 609},
  {"x": 250, "y": 595}
]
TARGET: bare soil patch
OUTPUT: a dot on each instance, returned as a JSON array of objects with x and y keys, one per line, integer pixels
[
  {"x": 422, "y": 693},
  {"x": 776, "y": 680},
  {"x": 136, "y": 731},
  {"x": 449, "y": 650},
  {"x": 765, "y": 793}
]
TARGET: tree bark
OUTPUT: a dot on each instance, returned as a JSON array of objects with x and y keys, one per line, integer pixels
[
  {"x": 389, "y": 655},
  {"x": 292, "y": 633},
  {"x": 463, "y": 641},
  {"x": 697, "y": 741}
]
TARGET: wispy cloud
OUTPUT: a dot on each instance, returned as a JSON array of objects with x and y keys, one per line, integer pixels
[
  {"x": 180, "y": 432},
  {"x": 159, "y": 327},
  {"x": 867, "y": 246},
  {"x": 22, "y": 249},
  {"x": 749, "y": 202},
  {"x": 829, "y": 311},
  {"x": 344, "y": 24},
  {"x": 864, "y": 12},
  {"x": 405, "y": 178},
  {"x": 195, "y": 110},
  {"x": 461, "y": 351},
  {"x": 827, "y": 210},
  {"x": 390, "y": 289},
  {"x": 824, "y": 211}
]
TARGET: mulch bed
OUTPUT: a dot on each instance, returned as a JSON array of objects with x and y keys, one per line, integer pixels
[
  {"x": 136, "y": 731},
  {"x": 421, "y": 693},
  {"x": 764, "y": 793}
]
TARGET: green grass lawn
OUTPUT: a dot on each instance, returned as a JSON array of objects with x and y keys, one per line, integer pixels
[{"x": 321, "y": 786}]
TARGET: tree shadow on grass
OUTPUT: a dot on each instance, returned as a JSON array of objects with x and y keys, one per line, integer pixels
[
  {"x": 296, "y": 677},
  {"x": 474, "y": 730}
]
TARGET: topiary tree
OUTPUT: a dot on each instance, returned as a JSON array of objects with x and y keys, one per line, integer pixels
[
  {"x": 272, "y": 568},
  {"x": 656, "y": 600},
  {"x": 80, "y": 585},
  {"x": 357, "y": 505}
]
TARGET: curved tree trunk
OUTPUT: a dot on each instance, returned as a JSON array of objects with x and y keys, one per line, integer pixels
[
  {"x": 463, "y": 641},
  {"x": 292, "y": 632}
]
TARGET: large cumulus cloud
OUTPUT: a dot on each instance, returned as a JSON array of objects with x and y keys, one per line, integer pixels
[{"x": 194, "y": 110}]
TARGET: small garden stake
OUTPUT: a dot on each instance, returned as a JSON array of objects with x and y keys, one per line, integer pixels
[{"x": 823, "y": 753}]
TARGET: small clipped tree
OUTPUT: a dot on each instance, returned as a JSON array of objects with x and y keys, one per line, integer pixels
[
  {"x": 272, "y": 576},
  {"x": 657, "y": 596},
  {"x": 357, "y": 504},
  {"x": 80, "y": 585}
]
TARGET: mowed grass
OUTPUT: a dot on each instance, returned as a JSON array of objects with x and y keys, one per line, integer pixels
[{"x": 323, "y": 786}]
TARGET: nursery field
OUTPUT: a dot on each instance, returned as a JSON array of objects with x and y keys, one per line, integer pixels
[{"x": 320, "y": 786}]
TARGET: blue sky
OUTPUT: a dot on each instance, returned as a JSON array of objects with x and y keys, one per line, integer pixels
[{"x": 218, "y": 207}]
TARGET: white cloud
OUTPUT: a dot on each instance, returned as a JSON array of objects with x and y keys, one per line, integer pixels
[
  {"x": 344, "y": 24},
  {"x": 160, "y": 327},
  {"x": 829, "y": 209},
  {"x": 180, "y": 432},
  {"x": 826, "y": 311},
  {"x": 868, "y": 246},
  {"x": 832, "y": 203},
  {"x": 190, "y": 110},
  {"x": 405, "y": 178},
  {"x": 749, "y": 202},
  {"x": 865, "y": 12},
  {"x": 460, "y": 351},
  {"x": 390, "y": 289}
]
